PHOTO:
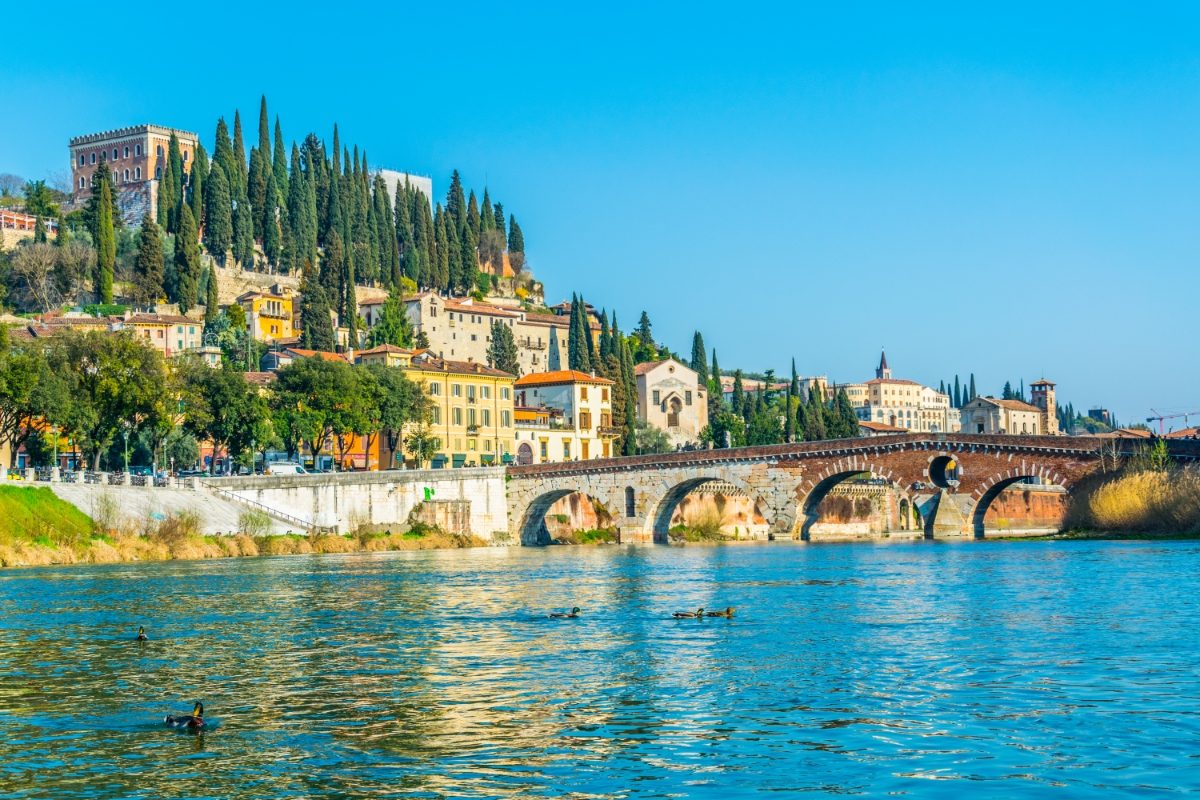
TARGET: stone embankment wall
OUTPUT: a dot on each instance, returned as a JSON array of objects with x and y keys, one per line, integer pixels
[
  {"x": 350, "y": 500},
  {"x": 138, "y": 508},
  {"x": 1026, "y": 510}
]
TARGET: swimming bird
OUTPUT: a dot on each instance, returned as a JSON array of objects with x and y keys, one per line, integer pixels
[
  {"x": 193, "y": 721},
  {"x": 699, "y": 612},
  {"x": 572, "y": 614},
  {"x": 727, "y": 613},
  {"x": 142, "y": 637}
]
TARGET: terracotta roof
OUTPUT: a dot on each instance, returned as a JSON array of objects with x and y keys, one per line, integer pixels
[
  {"x": 479, "y": 308},
  {"x": 880, "y": 427},
  {"x": 642, "y": 369},
  {"x": 296, "y": 351},
  {"x": 258, "y": 293},
  {"x": 1185, "y": 433},
  {"x": 556, "y": 320},
  {"x": 893, "y": 380},
  {"x": 386, "y": 348},
  {"x": 161, "y": 319},
  {"x": 1126, "y": 433},
  {"x": 1014, "y": 405},
  {"x": 429, "y": 363},
  {"x": 559, "y": 377},
  {"x": 260, "y": 378}
]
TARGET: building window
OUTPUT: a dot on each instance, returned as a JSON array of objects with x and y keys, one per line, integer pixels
[
  {"x": 93, "y": 158},
  {"x": 566, "y": 451},
  {"x": 435, "y": 416},
  {"x": 487, "y": 418},
  {"x": 543, "y": 450},
  {"x": 457, "y": 416},
  {"x": 471, "y": 391},
  {"x": 604, "y": 395},
  {"x": 115, "y": 154},
  {"x": 158, "y": 150},
  {"x": 81, "y": 183},
  {"x": 158, "y": 173},
  {"x": 583, "y": 393},
  {"x": 657, "y": 397},
  {"x": 630, "y": 505},
  {"x": 486, "y": 392},
  {"x": 456, "y": 390},
  {"x": 435, "y": 389},
  {"x": 137, "y": 149},
  {"x": 504, "y": 393},
  {"x": 585, "y": 420},
  {"x": 505, "y": 420},
  {"x": 125, "y": 152},
  {"x": 471, "y": 421},
  {"x": 687, "y": 398},
  {"x": 82, "y": 161},
  {"x": 185, "y": 156},
  {"x": 126, "y": 176},
  {"x": 137, "y": 173}
]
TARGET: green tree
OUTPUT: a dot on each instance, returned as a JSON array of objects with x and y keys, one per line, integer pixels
[
  {"x": 317, "y": 330},
  {"x": 197, "y": 179},
  {"x": 39, "y": 230},
  {"x": 148, "y": 269},
  {"x": 106, "y": 246},
  {"x": 211, "y": 305},
  {"x": 187, "y": 262},
  {"x": 224, "y": 409},
  {"x": 218, "y": 234},
  {"x": 502, "y": 352},
  {"x": 400, "y": 402},
  {"x": 174, "y": 176},
  {"x": 699, "y": 358},
  {"x": 243, "y": 232},
  {"x": 650, "y": 440},
  {"x": 394, "y": 326}
]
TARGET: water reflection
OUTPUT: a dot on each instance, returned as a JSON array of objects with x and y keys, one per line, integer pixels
[{"x": 860, "y": 669}]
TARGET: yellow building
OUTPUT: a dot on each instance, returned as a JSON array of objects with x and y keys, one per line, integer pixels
[
  {"x": 565, "y": 415},
  {"x": 170, "y": 334},
  {"x": 268, "y": 315},
  {"x": 472, "y": 405}
]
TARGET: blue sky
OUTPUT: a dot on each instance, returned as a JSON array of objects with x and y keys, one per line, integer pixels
[{"x": 1010, "y": 191}]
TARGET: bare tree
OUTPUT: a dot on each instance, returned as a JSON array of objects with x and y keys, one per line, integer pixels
[
  {"x": 75, "y": 263},
  {"x": 11, "y": 185},
  {"x": 34, "y": 266}
]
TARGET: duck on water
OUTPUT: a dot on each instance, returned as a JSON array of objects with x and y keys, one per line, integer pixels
[{"x": 193, "y": 721}]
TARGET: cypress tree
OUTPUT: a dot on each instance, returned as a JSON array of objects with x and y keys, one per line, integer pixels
[
  {"x": 487, "y": 219},
  {"x": 645, "y": 335},
  {"x": 456, "y": 205},
  {"x": 1007, "y": 394},
  {"x": 605, "y": 339},
  {"x": 187, "y": 261},
  {"x": 516, "y": 239},
  {"x": 972, "y": 395},
  {"x": 554, "y": 359},
  {"x": 196, "y": 182},
  {"x": 470, "y": 259},
  {"x": 256, "y": 191},
  {"x": 815, "y": 415},
  {"x": 243, "y": 232},
  {"x": 587, "y": 334},
  {"x": 238, "y": 181},
  {"x": 106, "y": 245},
  {"x": 264, "y": 129},
  {"x": 498, "y": 218},
  {"x": 700, "y": 359},
  {"x": 629, "y": 443},
  {"x": 272, "y": 238},
  {"x": 1021, "y": 395},
  {"x": 280, "y": 164},
  {"x": 39, "y": 230},
  {"x": 218, "y": 233},
  {"x": 957, "y": 399},
  {"x": 317, "y": 331},
  {"x": 63, "y": 236},
  {"x": 148, "y": 269},
  {"x": 223, "y": 155},
  {"x": 166, "y": 200},
  {"x": 440, "y": 274},
  {"x": 175, "y": 171},
  {"x": 738, "y": 398},
  {"x": 941, "y": 387},
  {"x": 211, "y": 304}
]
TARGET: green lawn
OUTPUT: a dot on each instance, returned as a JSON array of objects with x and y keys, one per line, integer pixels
[{"x": 38, "y": 515}]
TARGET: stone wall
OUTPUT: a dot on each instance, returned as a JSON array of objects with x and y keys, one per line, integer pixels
[
  {"x": 1026, "y": 509},
  {"x": 346, "y": 501}
]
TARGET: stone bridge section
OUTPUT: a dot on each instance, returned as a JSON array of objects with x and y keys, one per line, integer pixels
[
  {"x": 952, "y": 478},
  {"x": 472, "y": 498}
]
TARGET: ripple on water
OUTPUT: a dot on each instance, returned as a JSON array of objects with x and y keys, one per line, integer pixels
[{"x": 922, "y": 670}]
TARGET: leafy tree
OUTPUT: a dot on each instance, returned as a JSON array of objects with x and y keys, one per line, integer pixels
[
  {"x": 39, "y": 200},
  {"x": 1007, "y": 394},
  {"x": 218, "y": 234},
  {"x": 400, "y": 402},
  {"x": 502, "y": 352},
  {"x": 148, "y": 269},
  {"x": 650, "y": 440},
  {"x": 394, "y": 326},
  {"x": 225, "y": 409},
  {"x": 187, "y": 262},
  {"x": 420, "y": 442},
  {"x": 106, "y": 245},
  {"x": 29, "y": 389}
]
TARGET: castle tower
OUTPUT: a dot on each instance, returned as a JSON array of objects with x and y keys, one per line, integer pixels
[
  {"x": 1042, "y": 394},
  {"x": 883, "y": 372}
]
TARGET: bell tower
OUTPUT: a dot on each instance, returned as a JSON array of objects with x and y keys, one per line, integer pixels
[
  {"x": 1042, "y": 394},
  {"x": 883, "y": 372}
]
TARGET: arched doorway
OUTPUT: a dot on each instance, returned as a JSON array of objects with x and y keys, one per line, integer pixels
[
  {"x": 674, "y": 407},
  {"x": 524, "y": 454}
]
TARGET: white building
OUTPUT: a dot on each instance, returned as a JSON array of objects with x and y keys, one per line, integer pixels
[
  {"x": 392, "y": 179},
  {"x": 564, "y": 415},
  {"x": 901, "y": 403},
  {"x": 671, "y": 398}
]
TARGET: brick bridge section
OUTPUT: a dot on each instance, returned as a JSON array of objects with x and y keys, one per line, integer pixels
[{"x": 951, "y": 478}]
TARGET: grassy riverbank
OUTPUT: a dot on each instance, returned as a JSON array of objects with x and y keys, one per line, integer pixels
[
  {"x": 1138, "y": 502},
  {"x": 39, "y": 529}
]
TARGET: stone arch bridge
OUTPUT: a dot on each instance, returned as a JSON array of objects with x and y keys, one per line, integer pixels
[{"x": 951, "y": 478}]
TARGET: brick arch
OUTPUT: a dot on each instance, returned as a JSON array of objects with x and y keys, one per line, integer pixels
[
  {"x": 991, "y": 487},
  {"x": 817, "y": 485},
  {"x": 658, "y": 521}
]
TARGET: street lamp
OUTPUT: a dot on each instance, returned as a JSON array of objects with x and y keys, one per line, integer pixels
[{"x": 125, "y": 434}]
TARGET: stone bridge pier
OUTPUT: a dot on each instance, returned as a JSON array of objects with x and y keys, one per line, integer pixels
[{"x": 951, "y": 479}]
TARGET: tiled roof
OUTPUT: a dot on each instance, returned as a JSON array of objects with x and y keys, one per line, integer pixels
[
  {"x": 642, "y": 369},
  {"x": 1014, "y": 405},
  {"x": 260, "y": 378},
  {"x": 892, "y": 380},
  {"x": 1185, "y": 433},
  {"x": 386, "y": 348},
  {"x": 429, "y": 363},
  {"x": 161, "y": 319},
  {"x": 880, "y": 427},
  {"x": 324, "y": 354},
  {"x": 559, "y": 377}
]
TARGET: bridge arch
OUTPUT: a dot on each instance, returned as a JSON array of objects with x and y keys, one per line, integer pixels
[
  {"x": 659, "y": 519},
  {"x": 814, "y": 490},
  {"x": 994, "y": 486}
]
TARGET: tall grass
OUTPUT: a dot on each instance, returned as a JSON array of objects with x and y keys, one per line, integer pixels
[{"x": 1141, "y": 500}]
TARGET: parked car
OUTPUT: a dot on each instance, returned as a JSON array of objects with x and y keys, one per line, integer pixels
[
  {"x": 285, "y": 468},
  {"x": 140, "y": 470}
]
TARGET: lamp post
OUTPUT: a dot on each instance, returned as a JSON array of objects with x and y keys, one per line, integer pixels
[{"x": 125, "y": 435}]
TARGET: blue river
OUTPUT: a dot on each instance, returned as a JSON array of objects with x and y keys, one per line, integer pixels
[{"x": 1005, "y": 669}]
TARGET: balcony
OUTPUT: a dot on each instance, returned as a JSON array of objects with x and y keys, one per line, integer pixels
[{"x": 607, "y": 431}]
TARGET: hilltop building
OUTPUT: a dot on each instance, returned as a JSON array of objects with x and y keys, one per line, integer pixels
[
  {"x": 899, "y": 403},
  {"x": 671, "y": 398},
  {"x": 137, "y": 156},
  {"x": 565, "y": 415},
  {"x": 989, "y": 415},
  {"x": 393, "y": 179}
]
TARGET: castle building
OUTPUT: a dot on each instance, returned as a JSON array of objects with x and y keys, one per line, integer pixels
[
  {"x": 137, "y": 156},
  {"x": 899, "y": 403}
]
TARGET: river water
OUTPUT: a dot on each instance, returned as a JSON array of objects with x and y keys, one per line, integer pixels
[{"x": 1066, "y": 669}]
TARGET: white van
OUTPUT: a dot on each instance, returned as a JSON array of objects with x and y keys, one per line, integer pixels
[{"x": 285, "y": 468}]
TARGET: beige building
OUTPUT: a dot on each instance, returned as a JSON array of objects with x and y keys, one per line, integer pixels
[
  {"x": 462, "y": 329},
  {"x": 564, "y": 415},
  {"x": 989, "y": 415},
  {"x": 472, "y": 413},
  {"x": 137, "y": 156},
  {"x": 900, "y": 403},
  {"x": 671, "y": 398},
  {"x": 170, "y": 334}
]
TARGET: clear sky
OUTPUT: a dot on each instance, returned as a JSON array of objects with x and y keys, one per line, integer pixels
[{"x": 1009, "y": 190}]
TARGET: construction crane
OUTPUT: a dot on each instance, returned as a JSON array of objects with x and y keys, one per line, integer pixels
[{"x": 1163, "y": 417}]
